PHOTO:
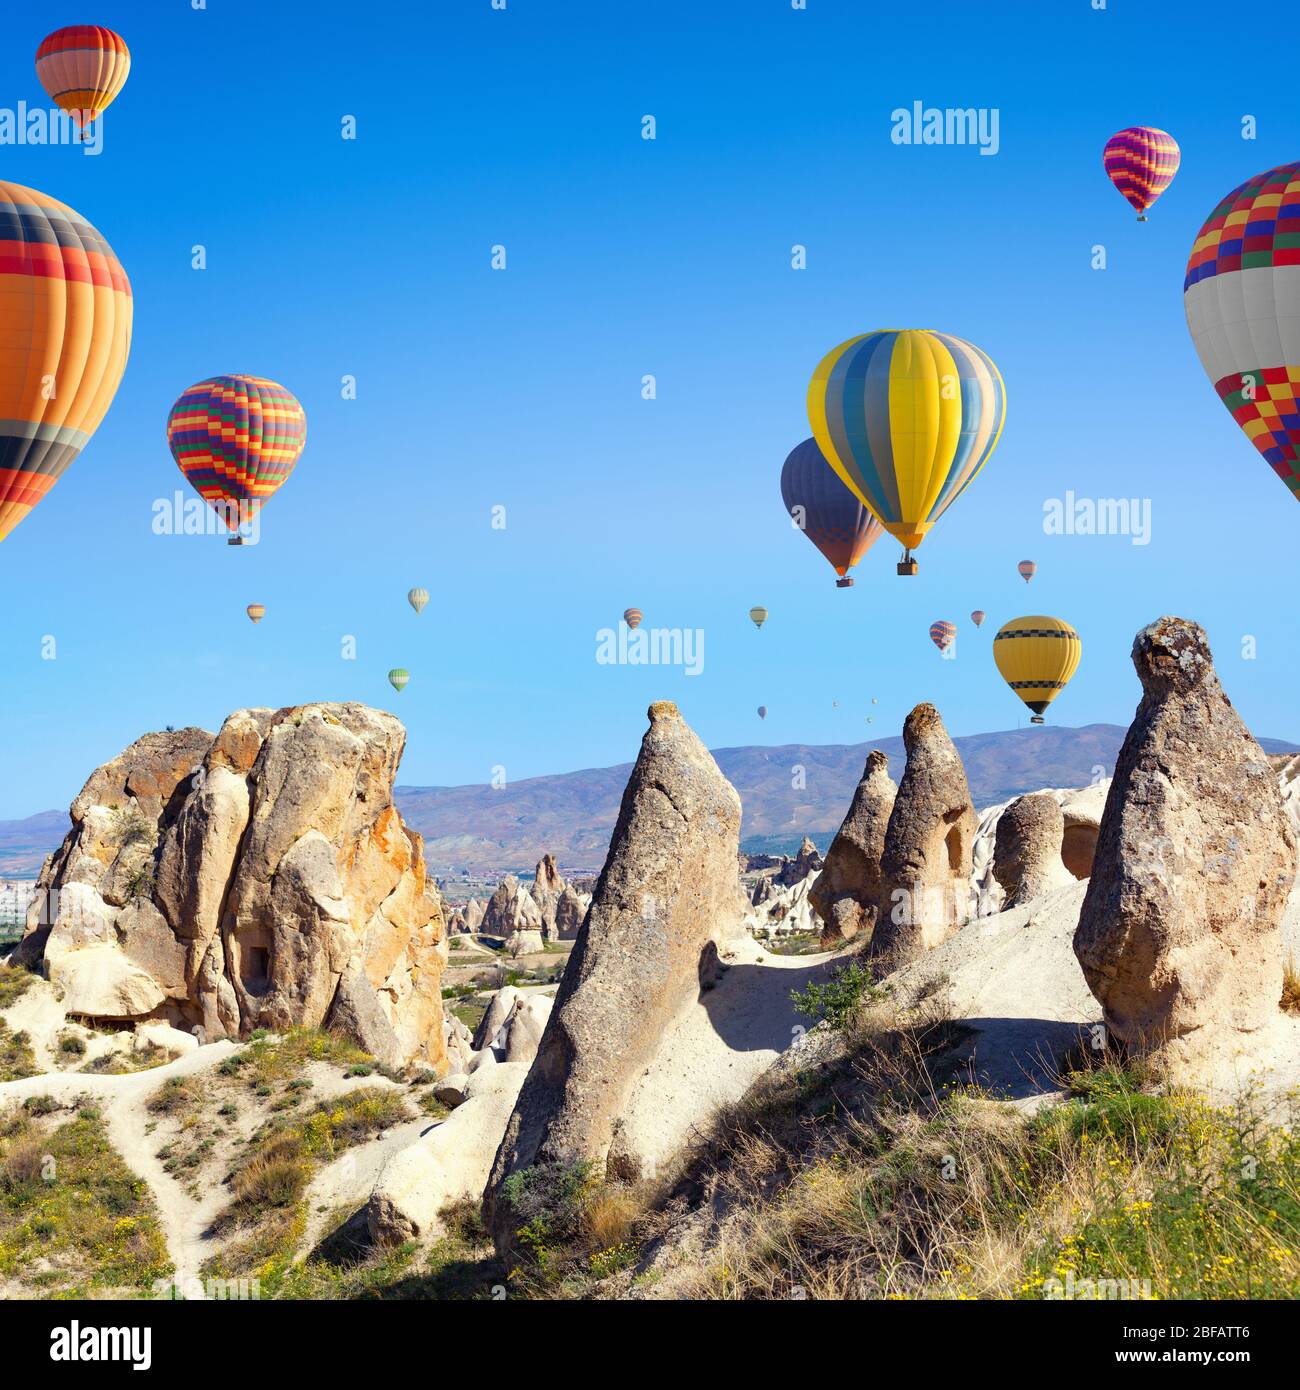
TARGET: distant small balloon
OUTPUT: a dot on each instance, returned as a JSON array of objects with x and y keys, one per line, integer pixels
[
  {"x": 942, "y": 633},
  {"x": 398, "y": 678},
  {"x": 1027, "y": 570},
  {"x": 632, "y": 617},
  {"x": 758, "y": 615},
  {"x": 417, "y": 598},
  {"x": 256, "y": 611},
  {"x": 978, "y": 616},
  {"x": 762, "y": 711}
]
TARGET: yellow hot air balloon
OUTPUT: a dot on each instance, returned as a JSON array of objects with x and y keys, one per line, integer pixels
[
  {"x": 907, "y": 418},
  {"x": 65, "y": 332},
  {"x": 1036, "y": 656},
  {"x": 256, "y": 611},
  {"x": 758, "y": 615}
]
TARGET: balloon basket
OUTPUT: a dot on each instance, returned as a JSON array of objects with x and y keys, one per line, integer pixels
[
  {"x": 907, "y": 566},
  {"x": 1037, "y": 719},
  {"x": 845, "y": 583},
  {"x": 234, "y": 540}
]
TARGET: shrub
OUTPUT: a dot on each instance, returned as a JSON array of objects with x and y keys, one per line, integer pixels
[{"x": 838, "y": 999}]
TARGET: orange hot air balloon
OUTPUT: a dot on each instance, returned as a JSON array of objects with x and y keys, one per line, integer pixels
[
  {"x": 978, "y": 616},
  {"x": 83, "y": 67},
  {"x": 256, "y": 611},
  {"x": 65, "y": 333},
  {"x": 1027, "y": 570},
  {"x": 632, "y": 617}
]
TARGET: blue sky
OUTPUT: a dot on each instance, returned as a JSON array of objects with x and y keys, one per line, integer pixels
[{"x": 522, "y": 388}]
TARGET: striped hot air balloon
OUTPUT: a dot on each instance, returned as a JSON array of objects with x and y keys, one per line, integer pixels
[
  {"x": 632, "y": 617},
  {"x": 417, "y": 598},
  {"x": 1141, "y": 162},
  {"x": 1036, "y": 656},
  {"x": 236, "y": 439},
  {"x": 758, "y": 615},
  {"x": 83, "y": 67},
  {"x": 907, "y": 418},
  {"x": 256, "y": 611},
  {"x": 978, "y": 616},
  {"x": 399, "y": 679},
  {"x": 942, "y": 634},
  {"x": 1242, "y": 297},
  {"x": 65, "y": 333},
  {"x": 1027, "y": 569},
  {"x": 826, "y": 511}
]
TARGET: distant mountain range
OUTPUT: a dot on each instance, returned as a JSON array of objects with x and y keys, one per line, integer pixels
[{"x": 787, "y": 792}]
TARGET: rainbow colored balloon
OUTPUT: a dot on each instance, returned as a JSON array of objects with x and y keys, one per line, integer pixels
[
  {"x": 1141, "y": 162},
  {"x": 1242, "y": 297},
  {"x": 942, "y": 634},
  {"x": 236, "y": 439},
  {"x": 83, "y": 67},
  {"x": 907, "y": 418},
  {"x": 65, "y": 334}
]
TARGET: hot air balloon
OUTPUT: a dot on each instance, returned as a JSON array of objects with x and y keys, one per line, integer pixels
[
  {"x": 1242, "y": 297},
  {"x": 762, "y": 711},
  {"x": 256, "y": 611},
  {"x": 398, "y": 678},
  {"x": 632, "y": 617},
  {"x": 1141, "y": 162},
  {"x": 1027, "y": 570},
  {"x": 870, "y": 719},
  {"x": 758, "y": 616},
  {"x": 236, "y": 439},
  {"x": 826, "y": 511},
  {"x": 978, "y": 616},
  {"x": 65, "y": 321},
  {"x": 874, "y": 701},
  {"x": 83, "y": 67},
  {"x": 417, "y": 598},
  {"x": 1037, "y": 656},
  {"x": 942, "y": 634},
  {"x": 907, "y": 418}
]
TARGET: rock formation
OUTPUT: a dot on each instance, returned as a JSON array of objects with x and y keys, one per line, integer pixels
[
  {"x": 1179, "y": 935},
  {"x": 666, "y": 909},
  {"x": 258, "y": 878},
  {"x": 795, "y": 870},
  {"x": 846, "y": 895},
  {"x": 925, "y": 867},
  {"x": 1027, "y": 849}
]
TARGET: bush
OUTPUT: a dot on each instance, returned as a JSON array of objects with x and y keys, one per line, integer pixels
[
  {"x": 75, "y": 1046},
  {"x": 837, "y": 1000}
]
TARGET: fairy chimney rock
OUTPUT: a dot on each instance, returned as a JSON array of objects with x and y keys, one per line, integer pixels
[{"x": 846, "y": 894}]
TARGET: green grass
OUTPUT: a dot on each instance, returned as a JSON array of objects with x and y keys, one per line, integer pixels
[
  {"x": 17, "y": 1059},
  {"x": 70, "y": 1205},
  {"x": 14, "y": 983}
]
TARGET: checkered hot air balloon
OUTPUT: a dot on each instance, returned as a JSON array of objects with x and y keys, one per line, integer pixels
[
  {"x": 65, "y": 333},
  {"x": 83, "y": 67},
  {"x": 1036, "y": 656},
  {"x": 821, "y": 506},
  {"x": 907, "y": 418},
  {"x": 236, "y": 439},
  {"x": 1141, "y": 162},
  {"x": 942, "y": 634},
  {"x": 1242, "y": 297}
]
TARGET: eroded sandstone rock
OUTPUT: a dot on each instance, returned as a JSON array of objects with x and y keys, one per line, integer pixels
[
  {"x": 847, "y": 892},
  {"x": 1179, "y": 936},
  {"x": 1027, "y": 849}
]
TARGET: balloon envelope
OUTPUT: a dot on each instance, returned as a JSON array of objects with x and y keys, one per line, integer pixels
[
  {"x": 236, "y": 439},
  {"x": 632, "y": 617},
  {"x": 398, "y": 678},
  {"x": 417, "y": 598},
  {"x": 1027, "y": 570},
  {"x": 942, "y": 634},
  {"x": 762, "y": 711},
  {"x": 1036, "y": 656},
  {"x": 1141, "y": 162},
  {"x": 758, "y": 616},
  {"x": 825, "y": 509},
  {"x": 83, "y": 67},
  {"x": 1242, "y": 297},
  {"x": 907, "y": 418},
  {"x": 65, "y": 317},
  {"x": 256, "y": 611},
  {"x": 978, "y": 616}
]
